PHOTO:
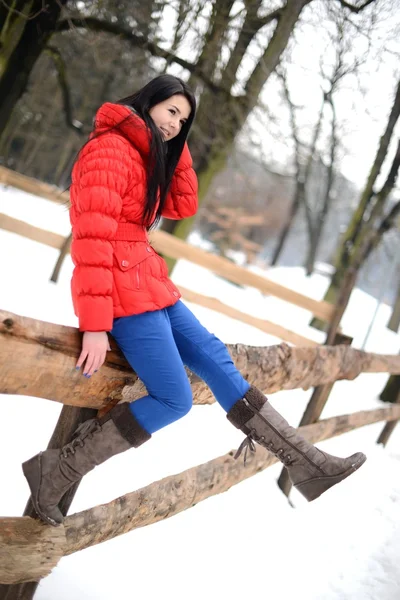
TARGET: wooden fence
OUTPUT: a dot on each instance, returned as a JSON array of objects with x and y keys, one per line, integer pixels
[
  {"x": 28, "y": 549},
  {"x": 176, "y": 248}
]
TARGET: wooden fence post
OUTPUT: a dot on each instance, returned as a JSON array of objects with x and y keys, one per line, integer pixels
[
  {"x": 69, "y": 419},
  {"x": 321, "y": 393},
  {"x": 64, "y": 250}
]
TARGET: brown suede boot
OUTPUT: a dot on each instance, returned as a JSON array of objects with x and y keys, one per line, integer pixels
[
  {"x": 311, "y": 471},
  {"x": 52, "y": 472}
]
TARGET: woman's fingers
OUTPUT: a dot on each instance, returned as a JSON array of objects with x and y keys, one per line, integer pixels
[
  {"x": 81, "y": 358},
  {"x": 93, "y": 363},
  {"x": 100, "y": 358},
  {"x": 93, "y": 355},
  {"x": 89, "y": 370}
]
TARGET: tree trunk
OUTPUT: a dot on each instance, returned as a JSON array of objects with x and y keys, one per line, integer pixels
[
  {"x": 323, "y": 212},
  {"x": 221, "y": 116},
  {"x": 13, "y": 16},
  {"x": 29, "y": 550},
  {"x": 45, "y": 354},
  {"x": 368, "y": 236},
  {"x": 357, "y": 221},
  {"x": 358, "y": 224},
  {"x": 287, "y": 227},
  {"x": 17, "y": 67}
]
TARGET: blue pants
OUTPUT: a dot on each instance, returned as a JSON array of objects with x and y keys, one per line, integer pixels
[{"x": 157, "y": 345}]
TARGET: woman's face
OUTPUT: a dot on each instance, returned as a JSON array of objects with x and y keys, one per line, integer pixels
[{"x": 170, "y": 115}]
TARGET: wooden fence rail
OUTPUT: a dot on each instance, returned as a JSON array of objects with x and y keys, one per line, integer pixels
[
  {"x": 8, "y": 177},
  {"x": 29, "y": 550},
  {"x": 176, "y": 248},
  {"x": 44, "y": 355}
]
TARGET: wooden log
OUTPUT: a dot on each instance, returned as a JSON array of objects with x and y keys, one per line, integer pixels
[
  {"x": 321, "y": 393},
  {"x": 44, "y": 355},
  {"x": 226, "y": 222},
  {"x": 176, "y": 493},
  {"x": 32, "y": 186},
  {"x": 155, "y": 502},
  {"x": 29, "y": 549},
  {"x": 388, "y": 429},
  {"x": 262, "y": 324},
  {"x": 69, "y": 419},
  {"x": 54, "y": 240},
  {"x": 173, "y": 247}
]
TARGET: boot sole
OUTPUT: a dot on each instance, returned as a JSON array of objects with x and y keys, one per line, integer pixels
[
  {"x": 311, "y": 490},
  {"x": 32, "y": 470}
]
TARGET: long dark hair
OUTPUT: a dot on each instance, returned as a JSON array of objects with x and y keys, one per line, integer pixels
[{"x": 164, "y": 156}]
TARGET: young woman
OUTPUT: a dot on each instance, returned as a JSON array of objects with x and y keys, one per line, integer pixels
[{"x": 136, "y": 168}]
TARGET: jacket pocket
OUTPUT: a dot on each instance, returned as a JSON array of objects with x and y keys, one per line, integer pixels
[{"x": 130, "y": 256}]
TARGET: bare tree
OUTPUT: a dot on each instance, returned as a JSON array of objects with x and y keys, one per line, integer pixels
[
  {"x": 371, "y": 206},
  {"x": 256, "y": 35},
  {"x": 317, "y": 158}
]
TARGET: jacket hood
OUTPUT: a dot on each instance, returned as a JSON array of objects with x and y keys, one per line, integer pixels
[{"x": 125, "y": 120}]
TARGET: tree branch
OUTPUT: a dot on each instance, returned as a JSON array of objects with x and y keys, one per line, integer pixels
[
  {"x": 138, "y": 41},
  {"x": 272, "y": 16},
  {"x": 369, "y": 236},
  {"x": 21, "y": 14},
  {"x": 272, "y": 54},
  {"x": 250, "y": 28},
  {"x": 356, "y": 9}
]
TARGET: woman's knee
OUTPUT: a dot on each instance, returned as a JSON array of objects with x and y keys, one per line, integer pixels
[
  {"x": 185, "y": 402},
  {"x": 179, "y": 400}
]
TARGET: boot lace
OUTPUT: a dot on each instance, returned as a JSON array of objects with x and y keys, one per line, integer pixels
[
  {"x": 85, "y": 429},
  {"x": 248, "y": 444}
]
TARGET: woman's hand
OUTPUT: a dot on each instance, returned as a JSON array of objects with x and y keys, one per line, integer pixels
[{"x": 94, "y": 347}]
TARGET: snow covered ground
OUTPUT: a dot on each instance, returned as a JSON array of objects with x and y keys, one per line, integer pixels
[{"x": 249, "y": 540}]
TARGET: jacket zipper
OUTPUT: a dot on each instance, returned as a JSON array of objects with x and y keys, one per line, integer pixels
[{"x": 138, "y": 277}]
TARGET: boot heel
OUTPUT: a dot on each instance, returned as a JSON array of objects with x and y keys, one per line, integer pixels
[
  {"x": 313, "y": 488},
  {"x": 32, "y": 470}
]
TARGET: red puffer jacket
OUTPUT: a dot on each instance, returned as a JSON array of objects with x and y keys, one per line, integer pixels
[{"x": 117, "y": 273}]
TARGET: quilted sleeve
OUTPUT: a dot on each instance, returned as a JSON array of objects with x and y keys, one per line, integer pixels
[
  {"x": 99, "y": 181},
  {"x": 181, "y": 201}
]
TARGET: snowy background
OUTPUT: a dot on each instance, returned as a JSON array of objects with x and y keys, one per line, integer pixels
[{"x": 247, "y": 541}]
